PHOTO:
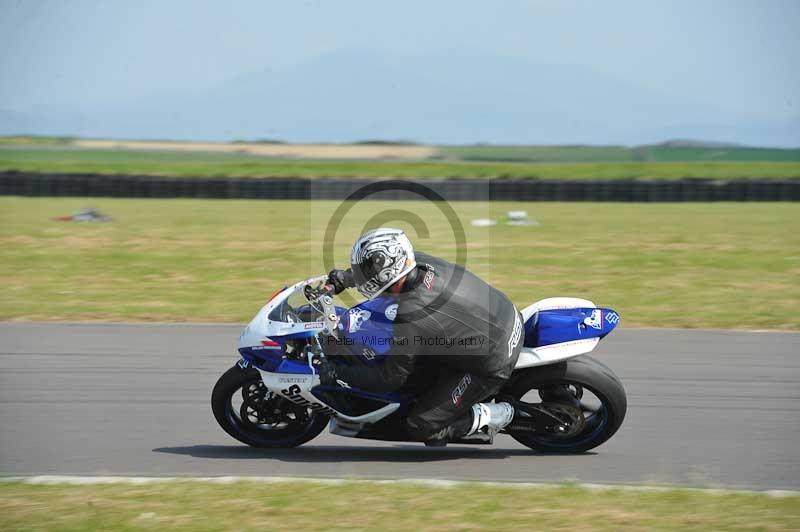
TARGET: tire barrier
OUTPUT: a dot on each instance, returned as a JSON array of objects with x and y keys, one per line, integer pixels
[{"x": 134, "y": 186}]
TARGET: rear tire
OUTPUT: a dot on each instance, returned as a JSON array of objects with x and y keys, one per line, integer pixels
[
  {"x": 588, "y": 374},
  {"x": 300, "y": 426}
]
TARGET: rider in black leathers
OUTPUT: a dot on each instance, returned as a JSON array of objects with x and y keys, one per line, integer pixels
[{"x": 469, "y": 330}]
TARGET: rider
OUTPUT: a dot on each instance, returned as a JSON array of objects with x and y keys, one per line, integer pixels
[{"x": 470, "y": 331}]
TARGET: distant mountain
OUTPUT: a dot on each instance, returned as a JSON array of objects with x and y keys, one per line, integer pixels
[
  {"x": 452, "y": 97},
  {"x": 689, "y": 143}
]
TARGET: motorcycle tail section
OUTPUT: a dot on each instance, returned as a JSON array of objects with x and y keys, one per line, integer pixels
[{"x": 560, "y": 328}]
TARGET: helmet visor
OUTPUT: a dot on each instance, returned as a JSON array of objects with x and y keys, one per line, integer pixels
[{"x": 366, "y": 272}]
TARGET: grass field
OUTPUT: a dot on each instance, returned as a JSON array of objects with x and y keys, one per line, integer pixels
[
  {"x": 370, "y": 506},
  {"x": 42, "y": 158},
  {"x": 660, "y": 265},
  {"x": 619, "y": 154},
  {"x": 28, "y": 140}
]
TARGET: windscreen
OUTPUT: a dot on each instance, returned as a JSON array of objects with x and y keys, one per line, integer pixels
[{"x": 295, "y": 309}]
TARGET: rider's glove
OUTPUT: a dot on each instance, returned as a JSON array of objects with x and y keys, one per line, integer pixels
[
  {"x": 326, "y": 370},
  {"x": 341, "y": 280}
]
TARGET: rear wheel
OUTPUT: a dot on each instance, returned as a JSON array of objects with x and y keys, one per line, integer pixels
[
  {"x": 583, "y": 394},
  {"x": 249, "y": 412}
]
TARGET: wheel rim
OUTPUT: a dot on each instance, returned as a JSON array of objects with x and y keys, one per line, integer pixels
[
  {"x": 256, "y": 411},
  {"x": 592, "y": 408}
]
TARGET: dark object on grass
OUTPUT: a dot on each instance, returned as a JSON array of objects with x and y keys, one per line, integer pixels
[{"x": 85, "y": 215}]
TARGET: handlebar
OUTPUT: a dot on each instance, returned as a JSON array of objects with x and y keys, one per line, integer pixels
[{"x": 322, "y": 295}]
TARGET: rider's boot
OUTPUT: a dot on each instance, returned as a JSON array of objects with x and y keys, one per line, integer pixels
[
  {"x": 487, "y": 420},
  {"x": 484, "y": 421}
]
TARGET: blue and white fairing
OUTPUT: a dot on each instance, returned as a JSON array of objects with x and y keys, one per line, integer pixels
[{"x": 265, "y": 344}]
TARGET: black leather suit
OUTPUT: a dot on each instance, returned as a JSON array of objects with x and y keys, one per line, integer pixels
[{"x": 453, "y": 321}]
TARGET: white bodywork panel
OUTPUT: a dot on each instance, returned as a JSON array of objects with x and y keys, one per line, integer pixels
[
  {"x": 548, "y": 354},
  {"x": 261, "y": 326},
  {"x": 297, "y": 388},
  {"x": 556, "y": 303}
]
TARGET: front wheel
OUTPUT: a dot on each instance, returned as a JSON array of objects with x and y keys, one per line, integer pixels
[
  {"x": 249, "y": 412},
  {"x": 583, "y": 393}
]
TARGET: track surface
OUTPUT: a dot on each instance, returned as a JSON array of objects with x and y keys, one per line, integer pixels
[{"x": 706, "y": 408}]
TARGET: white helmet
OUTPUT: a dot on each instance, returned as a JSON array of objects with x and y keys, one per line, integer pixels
[{"x": 379, "y": 258}]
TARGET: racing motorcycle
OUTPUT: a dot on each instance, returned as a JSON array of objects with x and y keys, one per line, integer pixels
[{"x": 564, "y": 402}]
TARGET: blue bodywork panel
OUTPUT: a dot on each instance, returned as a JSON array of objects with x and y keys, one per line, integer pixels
[
  {"x": 387, "y": 397},
  {"x": 555, "y": 326},
  {"x": 366, "y": 328}
]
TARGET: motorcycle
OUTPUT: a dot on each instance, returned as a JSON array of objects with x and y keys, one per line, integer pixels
[{"x": 564, "y": 401}]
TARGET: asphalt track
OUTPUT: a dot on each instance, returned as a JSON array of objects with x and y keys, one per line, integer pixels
[{"x": 706, "y": 408}]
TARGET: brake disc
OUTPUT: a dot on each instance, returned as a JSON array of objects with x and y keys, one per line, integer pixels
[{"x": 258, "y": 405}]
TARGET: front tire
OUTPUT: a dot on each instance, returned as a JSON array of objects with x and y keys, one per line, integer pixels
[
  {"x": 262, "y": 419},
  {"x": 574, "y": 376}
]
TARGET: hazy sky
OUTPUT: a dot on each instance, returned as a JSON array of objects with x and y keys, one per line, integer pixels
[{"x": 743, "y": 56}]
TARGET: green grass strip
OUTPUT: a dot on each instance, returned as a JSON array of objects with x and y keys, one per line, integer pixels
[
  {"x": 181, "y": 164},
  {"x": 200, "y": 506}
]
